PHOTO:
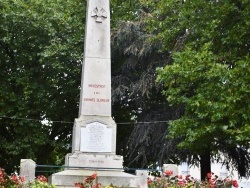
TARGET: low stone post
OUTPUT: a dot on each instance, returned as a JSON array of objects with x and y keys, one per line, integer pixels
[
  {"x": 27, "y": 169},
  {"x": 172, "y": 167},
  {"x": 143, "y": 178}
]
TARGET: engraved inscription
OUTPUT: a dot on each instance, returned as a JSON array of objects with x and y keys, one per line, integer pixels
[
  {"x": 98, "y": 88},
  {"x": 96, "y": 161},
  {"x": 96, "y": 137},
  {"x": 102, "y": 100},
  {"x": 89, "y": 99},
  {"x": 97, "y": 85}
]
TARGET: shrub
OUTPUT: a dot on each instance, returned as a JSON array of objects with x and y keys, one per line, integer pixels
[
  {"x": 40, "y": 182},
  {"x": 212, "y": 181},
  {"x": 89, "y": 182},
  {"x": 15, "y": 181}
]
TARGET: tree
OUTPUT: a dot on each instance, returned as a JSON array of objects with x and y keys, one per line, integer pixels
[
  {"x": 137, "y": 98},
  {"x": 41, "y": 47},
  {"x": 40, "y": 60},
  {"x": 41, "y": 50},
  {"x": 209, "y": 76}
]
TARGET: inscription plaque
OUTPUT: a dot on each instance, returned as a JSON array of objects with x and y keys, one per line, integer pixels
[{"x": 96, "y": 137}]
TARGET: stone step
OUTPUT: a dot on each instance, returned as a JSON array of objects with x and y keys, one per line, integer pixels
[{"x": 68, "y": 178}]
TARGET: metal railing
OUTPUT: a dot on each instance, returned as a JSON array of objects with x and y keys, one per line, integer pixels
[{"x": 57, "y": 168}]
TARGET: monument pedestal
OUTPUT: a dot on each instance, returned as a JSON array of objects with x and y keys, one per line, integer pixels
[
  {"x": 68, "y": 178},
  {"x": 108, "y": 167},
  {"x": 94, "y": 161},
  {"x": 93, "y": 151},
  {"x": 94, "y": 134}
]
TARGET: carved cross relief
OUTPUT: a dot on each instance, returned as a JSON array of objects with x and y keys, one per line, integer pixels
[{"x": 99, "y": 14}]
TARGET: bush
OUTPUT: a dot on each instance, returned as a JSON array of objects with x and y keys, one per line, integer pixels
[
  {"x": 15, "y": 181},
  {"x": 40, "y": 182},
  {"x": 168, "y": 181}
]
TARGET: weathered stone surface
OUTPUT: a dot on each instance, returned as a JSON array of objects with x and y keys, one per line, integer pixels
[
  {"x": 172, "y": 167},
  {"x": 94, "y": 131},
  {"x": 80, "y": 144},
  {"x": 88, "y": 160},
  {"x": 27, "y": 169},
  {"x": 96, "y": 87},
  {"x": 142, "y": 178},
  {"x": 96, "y": 76},
  {"x": 68, "y": 178}
]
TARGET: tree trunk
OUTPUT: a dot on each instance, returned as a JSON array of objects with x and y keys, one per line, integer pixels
[{"x": 205, "y": 163}]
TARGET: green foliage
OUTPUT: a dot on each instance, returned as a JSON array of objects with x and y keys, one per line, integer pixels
[
  {"x": 136, "y": 97},
  {"x": 209, "y": 75},
  {"x": 206, "y": 43},
  {"x": 10, "y": 181},
  {"x": 39, "y": 184},
  {"x": 15, "y": 181},
  {"x": 168, "y": 180},
  {"x": 122, "y": 10},
  {"x": 214, "y": 102},
  {"x": 41, "y": 46},
  {"x": 187, "y": 181},
  {"x": 224, "y": 23}
]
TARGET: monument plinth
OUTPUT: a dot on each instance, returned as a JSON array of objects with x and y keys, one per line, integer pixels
[{"x": 94, "y": 131}]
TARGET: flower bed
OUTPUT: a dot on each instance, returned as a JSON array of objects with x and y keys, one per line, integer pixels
[
  {"x": 15, "y": 181},
  {"x": 166, "y": 180}
]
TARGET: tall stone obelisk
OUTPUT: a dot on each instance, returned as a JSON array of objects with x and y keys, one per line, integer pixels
[
  {"x": 95, "y": 98},
  {"x": 94, "y": 131}
]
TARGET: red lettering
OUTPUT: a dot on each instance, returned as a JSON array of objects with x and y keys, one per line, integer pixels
[
  {"x": 89, "y": 99},
  {"x": 97, "y": 85},
  {"x": 102, "y": 100}
]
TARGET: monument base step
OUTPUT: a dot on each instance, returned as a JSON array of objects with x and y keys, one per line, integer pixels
[
  {"x": 94, "y": 160},
  {"x": 68, "y": 178}
]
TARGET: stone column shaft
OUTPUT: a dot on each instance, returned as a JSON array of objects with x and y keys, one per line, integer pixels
[{"x": 96, "y": 72}]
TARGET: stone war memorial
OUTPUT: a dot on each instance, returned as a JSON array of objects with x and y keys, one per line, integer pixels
[{"x": 94, "y": 131}]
